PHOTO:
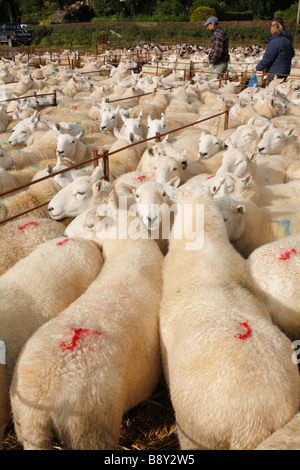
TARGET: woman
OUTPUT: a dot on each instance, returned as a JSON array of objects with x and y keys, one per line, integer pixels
[{"x": 278, "y": 56}]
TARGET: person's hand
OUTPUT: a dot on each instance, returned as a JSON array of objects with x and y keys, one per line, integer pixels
[{"x": 254, "y": 70}]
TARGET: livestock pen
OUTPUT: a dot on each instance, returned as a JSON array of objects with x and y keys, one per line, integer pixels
[{"x": 151, "y": 425}]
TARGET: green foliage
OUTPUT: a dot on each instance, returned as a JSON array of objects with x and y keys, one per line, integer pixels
[
  {"x": 106, "y": 7},
  {"x": 214, "y": 4},
  {"x": 290, "y": 14},
  {"x": 83, "y": 14},
  {"x": 202, "y": 14},
  {"x": 238, "y": 16},
  {"x": 169, "y": 10}
]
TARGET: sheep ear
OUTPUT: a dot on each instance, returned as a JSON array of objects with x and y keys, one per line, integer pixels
[
  {"x": 97, "y": 173},
  {"x": 170, "y": 190},
  {"x": 175, "y": 182},
  {"x": 99, "y": 186},
  {"x": 127, "y": 188},
  {"x": 289, "y": 133},
  {"x": 262, "y": 130},
  {"x": 166, "y": 138},
  {"x": 113, "y": 199},
  {"x": 149, "y": 119},
  {"x": 184, "y": 164},
  {"x": 78, "y": 136},
  {"x": 247, "y": 180},
  {"x": 251, "y": 121},
  {"x": 241, "y": 209},
  {"x": 117, "y": 133}
]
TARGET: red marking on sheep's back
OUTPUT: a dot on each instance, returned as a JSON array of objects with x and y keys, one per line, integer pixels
[
  {"x": 65, "y": 241},
  {"x": 77, "y": 334},
  {"x": 74, "y": 107},
  {"x": 287, "y": 254},
  {"x": 247, "y": 334},
  {"x": 141, "y": 178},
  {"x": 210, "y": 177},
  {"x": 27, "y": 225}
]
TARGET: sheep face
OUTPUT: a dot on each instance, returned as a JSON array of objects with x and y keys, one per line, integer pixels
[
  {"x": 208, "y": 145},
  {"x": 234, "y": 217},
  {"x": 273, "y": 141},
  {"x": 83, "y": 226},
  {"x": 67, "y": 145},
  {"x": 5, "y": 160},
  {"x": 110, "y": 118},
  {"x": 166, "y": 168},
  {"x": 156, "y": 125}
]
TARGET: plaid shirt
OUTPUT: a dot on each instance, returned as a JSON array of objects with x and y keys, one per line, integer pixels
[{"x": 219, "y": 47}]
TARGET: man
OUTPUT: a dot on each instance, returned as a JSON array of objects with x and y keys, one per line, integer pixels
[
  {"x": 219, "y": 55},
  {"x": 286, "y": 33}
]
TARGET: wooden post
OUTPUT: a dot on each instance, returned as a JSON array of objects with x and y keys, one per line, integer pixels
[
  {"x": 226, "y": 119},
  {"x": 95, "y": 155}
]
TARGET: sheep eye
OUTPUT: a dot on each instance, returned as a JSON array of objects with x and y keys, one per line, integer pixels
[
  {"x": 225, "y": 219},
  {"x": 174, "y": 169},
  {"x": 80, "y": 193},
  {"x": 89, "y": 225}
]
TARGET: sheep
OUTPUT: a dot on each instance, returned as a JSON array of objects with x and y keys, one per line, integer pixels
[
  {"x": 250, "y": 226},
  {"x": 23, "y": 131},
  {"x": 263, "y": 171},
  {"x": 216, "y": 315},
  {"x": 110, "y": 118},
  {"x": 35, "y": 196},
  {"x": 274, "y": 269},
  {"x": 270, "y": 195},
  {"x": 78, "y": 196},
  {"x": 71, "y": 148},
  {"x": 6, "y": 161},
  {"x": 121, "y": 369},
  {"x": 30, "y": 288},
  {"x": 152, "y": 205},
  {"x": 121, "y": 159},
  {"x": 286, "y": 438},
  {"x": 245, "y": 137},
  {"x": 21, "y": 236},
  {"x": 279, "y": 141}
]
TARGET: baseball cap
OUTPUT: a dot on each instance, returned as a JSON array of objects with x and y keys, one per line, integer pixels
[{"x": 211, "y": 19}]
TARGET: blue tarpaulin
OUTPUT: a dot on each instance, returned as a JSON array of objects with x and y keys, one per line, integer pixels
[{"x": 253, "y": 80}]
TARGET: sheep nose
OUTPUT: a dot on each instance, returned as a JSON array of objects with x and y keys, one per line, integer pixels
[
  {"x": 59, "y": 152},
  {"x": 202, "y": 154},
  {"x": 151, "y": 220},
  {"x": 102, "y": 128},
  {"x": 226, "y": 146},
  {"x": 260, "y": 149},
  {"x": 50, "y": 209}
]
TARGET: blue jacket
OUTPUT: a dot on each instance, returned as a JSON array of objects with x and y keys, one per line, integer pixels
[{"x": 278, "y": 56}]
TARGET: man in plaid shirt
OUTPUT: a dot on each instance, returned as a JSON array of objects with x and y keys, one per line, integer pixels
[{"x": 219, "y": 56}]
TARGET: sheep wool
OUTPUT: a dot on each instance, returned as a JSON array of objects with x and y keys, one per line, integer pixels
[
  {"x": 34, "y": 290},
  {"x": 109, "y": 338},
  {"x": 227, "y": 366}
]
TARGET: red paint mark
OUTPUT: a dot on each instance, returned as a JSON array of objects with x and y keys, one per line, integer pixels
[
  {"x": 141, "y": 178},
  {"x": 74, "y": 107},
  {"x": 209, "y": 177},
  {"x": 287, "y": 254},
  {"x": 65, "y": 241},
  {"x": 247, "y": 334},
  {"x": 26, "y": 225},
  {"x": 77, "y": 334}
]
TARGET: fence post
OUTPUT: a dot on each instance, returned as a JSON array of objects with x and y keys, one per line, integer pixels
[
  {"x": 226, "y": 118},
  {"x": 95, "y": 155},
  {"x": 105, "y": 165}
]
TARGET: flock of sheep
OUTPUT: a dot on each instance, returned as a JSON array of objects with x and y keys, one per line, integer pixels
[{"x": 92, "y": 317}]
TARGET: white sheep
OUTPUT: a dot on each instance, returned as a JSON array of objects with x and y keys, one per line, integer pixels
[
  {"x": 36, "y": 195},
  {"x": 6, "y": 161},
  {"x": 274, "y": 269},
  {"x": 78, "y": 196},
  {"x": 94, "y": 335},
  {"x": 30, "y": 289},
  {"x": 209, "y": 312},
  {"x": 250, "y": 226},
  {"x": 22, "y": 235},
  {"x": 286, "y": 438}
]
